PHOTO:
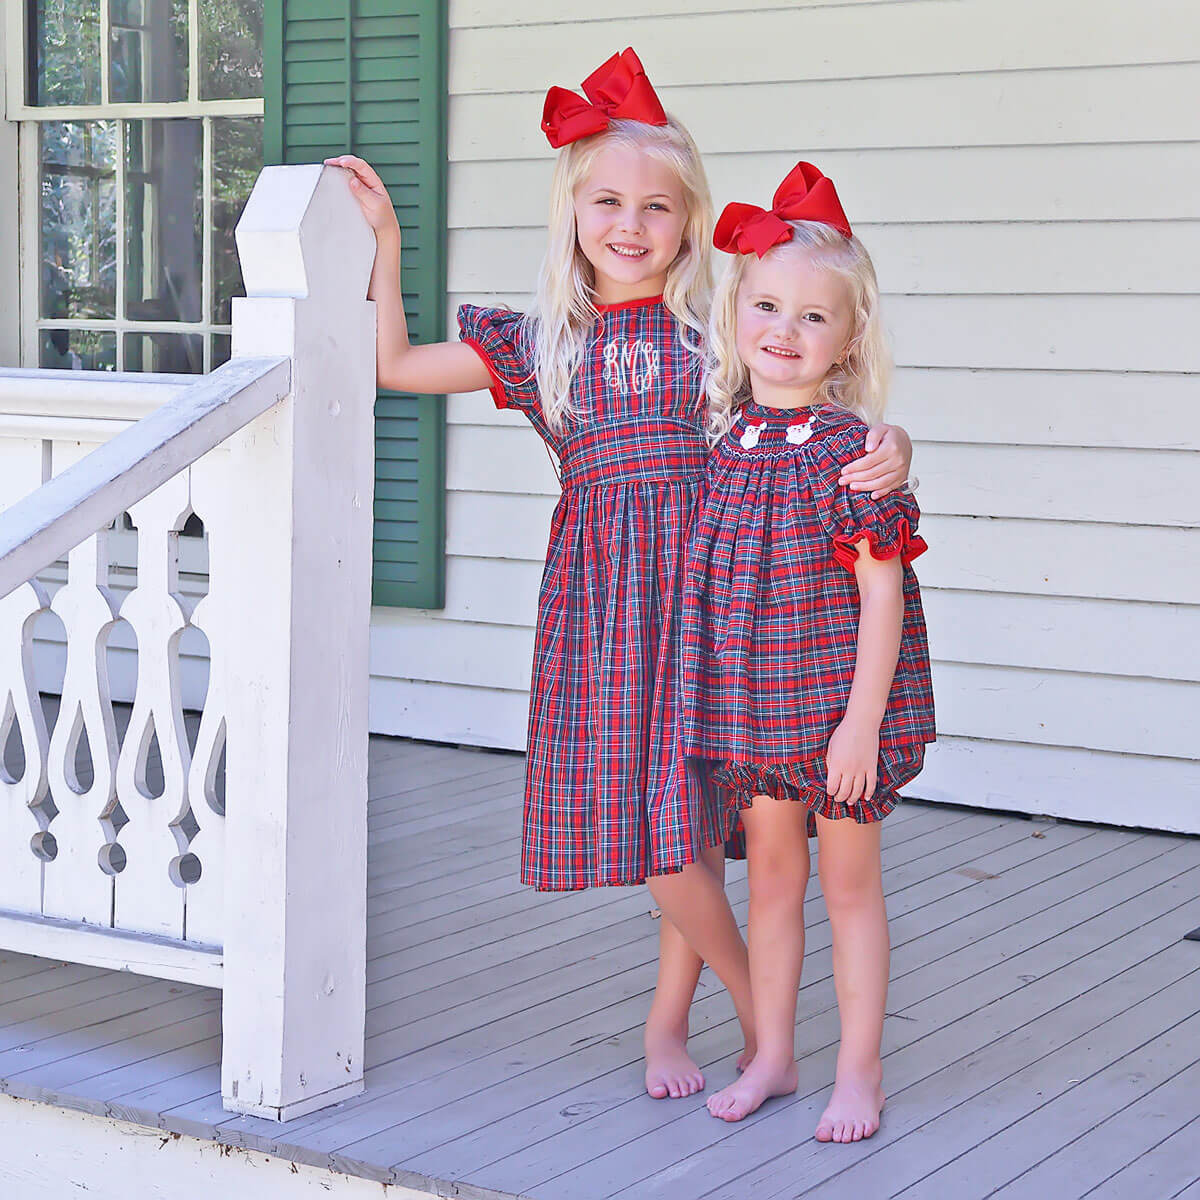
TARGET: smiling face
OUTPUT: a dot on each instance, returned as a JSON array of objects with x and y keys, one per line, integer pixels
[
  {"x": 629, "y": 218},
  {"x": 794, "y": 320}
]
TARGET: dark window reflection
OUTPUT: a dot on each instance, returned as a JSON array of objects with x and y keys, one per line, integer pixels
[
  {"x": 231, "y": 49},
  {"x": 173, "y": 353},
  {"x": 148, "y": 51},
  {"x": 78, "y": 218},
  {"x": 66, "y": 40},
  {"x": 164, "y": 214},
  {"x": 237, "y": 159},
  {"x": 221, "y": 349},
  {"x": 78, "y": 350}
]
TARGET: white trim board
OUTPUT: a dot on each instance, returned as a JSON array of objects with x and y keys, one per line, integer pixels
[{"x": 112, "y": 949}]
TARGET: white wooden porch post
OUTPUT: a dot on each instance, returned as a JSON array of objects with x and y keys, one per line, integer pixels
[{"x": 289, "y": 511}]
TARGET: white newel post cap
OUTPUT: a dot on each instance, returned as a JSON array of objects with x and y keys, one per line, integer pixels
[{"x": 303, "y": 234}]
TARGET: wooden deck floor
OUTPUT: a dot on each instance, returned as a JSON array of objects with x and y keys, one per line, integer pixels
[{"x": 1043, "y": 1037}]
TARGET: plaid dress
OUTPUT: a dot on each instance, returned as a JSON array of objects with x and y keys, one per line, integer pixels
[
  {"x": 771, "y": 612},
  {"x": 606, "y": 800}
]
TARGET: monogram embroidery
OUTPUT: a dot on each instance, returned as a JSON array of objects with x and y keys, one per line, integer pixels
[{"x": 631, "y": 366}]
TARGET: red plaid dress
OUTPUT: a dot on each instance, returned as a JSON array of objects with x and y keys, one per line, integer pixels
[
  {"x": 771, "y": 613},
  {"x": 605, "y": 794}
]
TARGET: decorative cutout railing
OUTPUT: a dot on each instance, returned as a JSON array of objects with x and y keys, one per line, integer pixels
[{"x": 127, "y": 851}]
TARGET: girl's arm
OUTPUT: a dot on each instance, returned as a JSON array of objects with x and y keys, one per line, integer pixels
[
  {"x": 853, "y": 755},
  {"x": 885, "y": 463},
  {"x": 399, "y": 366}
]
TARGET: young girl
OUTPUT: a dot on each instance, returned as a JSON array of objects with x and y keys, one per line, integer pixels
[
  {"x": 607, "y": 368},
  {"x": 805, "y": 664}
]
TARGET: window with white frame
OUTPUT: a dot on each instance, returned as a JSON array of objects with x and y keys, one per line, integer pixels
[{"x": 140, "y": 138}]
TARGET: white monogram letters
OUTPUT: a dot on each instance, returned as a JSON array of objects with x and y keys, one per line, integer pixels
[{"x": 631, "y": 366}]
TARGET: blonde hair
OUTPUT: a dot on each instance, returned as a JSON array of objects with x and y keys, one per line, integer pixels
[
  {"x": 558, "y": 324},
  {"x": 858, "y": 383}
]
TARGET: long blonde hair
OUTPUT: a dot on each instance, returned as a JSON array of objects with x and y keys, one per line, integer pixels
[
  {"x": 558, "y": 324},
  {"x": 859, "y": 383}
]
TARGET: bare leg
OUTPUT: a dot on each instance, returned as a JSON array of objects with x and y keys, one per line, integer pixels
[
  {"x": 777, "y": 853},
  {"x": 670, "y": 1070},
  {"x": 694, "y": 902},
  {"x": 851, "y": 880}
]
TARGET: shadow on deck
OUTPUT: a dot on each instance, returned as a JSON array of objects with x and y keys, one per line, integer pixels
[{"x": 1043, "y": 1031}]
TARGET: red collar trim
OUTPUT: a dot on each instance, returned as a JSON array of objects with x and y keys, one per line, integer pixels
[{"x": 643, "y": 303}]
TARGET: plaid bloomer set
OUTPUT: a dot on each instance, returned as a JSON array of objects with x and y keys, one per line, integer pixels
[
  {"x": 606, "y": 798},
  {"x": 771, "y": 614}
]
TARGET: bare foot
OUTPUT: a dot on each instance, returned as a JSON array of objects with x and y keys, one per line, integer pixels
[
  {"x": 670, "y": 1070},
  {"x": 853, "y": 1110},
  {"x": 761, "y": 1081}
]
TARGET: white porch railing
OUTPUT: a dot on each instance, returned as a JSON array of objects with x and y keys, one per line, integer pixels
[{"x": 261, "y": 892}]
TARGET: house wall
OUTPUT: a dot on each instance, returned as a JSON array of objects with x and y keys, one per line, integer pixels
[{"x": 1030, "y": 202}]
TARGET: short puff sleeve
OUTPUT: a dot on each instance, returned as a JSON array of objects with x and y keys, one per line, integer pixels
[
  {"x": 889, "y": 524},
  {"x": 497, "y": 335}
]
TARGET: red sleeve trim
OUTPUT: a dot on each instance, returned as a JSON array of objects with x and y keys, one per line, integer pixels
[
  {"x": 907, "y": 544},
  {"x": 499, "y": 386}
]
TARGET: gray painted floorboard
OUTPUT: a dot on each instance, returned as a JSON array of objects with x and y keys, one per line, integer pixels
[{"x": 1043, "y": 1036}]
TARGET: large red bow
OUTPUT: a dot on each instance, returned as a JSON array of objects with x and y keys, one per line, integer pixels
[
  {"x": 805, "y": 195},
  {"x": 617, "y": 88}
]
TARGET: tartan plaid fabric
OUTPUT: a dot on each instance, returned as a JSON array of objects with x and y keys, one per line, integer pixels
[
  {"x": 606, "y": 795},
  {"x": 771, "y": 603},
  {"x": 735, "y": 785}
]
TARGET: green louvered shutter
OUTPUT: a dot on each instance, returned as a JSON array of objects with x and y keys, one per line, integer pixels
[{"x": 369, "y": 77}]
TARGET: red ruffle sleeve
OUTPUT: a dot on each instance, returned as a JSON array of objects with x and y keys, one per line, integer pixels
[{"x": 498, "y": 336}]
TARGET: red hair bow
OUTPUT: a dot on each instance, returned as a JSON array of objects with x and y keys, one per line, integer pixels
[
  {"x": 616, "y": 89},
  {"x": 805, "y": 195}
]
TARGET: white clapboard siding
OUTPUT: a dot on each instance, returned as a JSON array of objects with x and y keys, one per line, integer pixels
[
  {"x": 1129, "y": 410},
  {"x": 1155, "y": 793},
  {"x": 1064, "y": 633},
  {"x": 494, "y": 656},
  {"x": 1051, "y": 558},
  {"x": 1125, "y": 104},
  {"x": 924, "y": 37},
  {"x": 1058, "y": 708},
  {"x": 440, "y": 712},
  {"x": 466, "y": 14},
  {"x": 1042, "y": 303}
]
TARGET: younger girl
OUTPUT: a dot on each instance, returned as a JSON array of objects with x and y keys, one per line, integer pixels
[
  {"x": 607, "y": 369},
  {"x": 806, "y": 671}
]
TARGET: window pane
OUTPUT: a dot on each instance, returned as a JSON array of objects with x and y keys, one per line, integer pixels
[
  {"x": 67, "y": 46},
  {"x": 221, "y": 349},
  {"x": 164, "y": 213},
  {"x": 175, "y": 353},
  {"x": 78, "y": 350},
  {"x": 237, "y": 160},
  {"x": 148, "y": 54},
  {"x": 79, "y": 216},
  {"x": 231, "y": 49}
]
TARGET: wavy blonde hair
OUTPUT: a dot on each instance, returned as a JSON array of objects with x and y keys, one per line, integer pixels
[
  {"x": 558, "y": 325},
  {"x": 859, "y": 383}
]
